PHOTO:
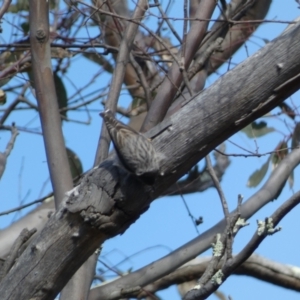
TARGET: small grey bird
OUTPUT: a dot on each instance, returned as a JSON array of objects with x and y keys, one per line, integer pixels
[{"x": 135, "y": 151}]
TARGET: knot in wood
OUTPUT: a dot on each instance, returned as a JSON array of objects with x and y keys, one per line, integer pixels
[{"x": 41, "y": 35}]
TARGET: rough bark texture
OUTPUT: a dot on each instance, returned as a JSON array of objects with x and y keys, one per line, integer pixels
[{"x": 108, "y": 200}]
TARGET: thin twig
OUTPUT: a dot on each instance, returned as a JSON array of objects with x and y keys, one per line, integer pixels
[
  {"x": 9, "y": 128},
  {"x": 9, "y": 147},
  {"x": 230, "y": 220},
  {"x": 166, "y": 19},
  {"x": 6, "y": 212},
  {"x": 16, "y": 66},
  {"x": 8, "y": 110},
  {"x": 257, "y": 154},
  {"x": 142, "y": 79},
  {"x": 202, "y": 59},
  {"x": 134, "y": 20},
  {"x": 13, "y": 105},
  {"x": 217, "y": 185},
  {"x": 222, "y": 249},
  {"x": 189, "y": 213},
  {"x": 218, "y": 252},
  {"x": 182, "y": 54}
]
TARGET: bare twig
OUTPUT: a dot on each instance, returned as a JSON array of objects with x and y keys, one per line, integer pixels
[
  {"x": 16, "y": 66},
  {"x": 255, "y": 154},
  {"x": 9, "y": 128},
  {"x": 9, "y": 147},
  {"x": 182, "y": 54},
  {"x": 22, "y": 206},
  {"x": 142, "y": 79},
  {"x": 137, "y": 22},
  {"x": 218, "y": 253},
  {"x": 218, "y": 186},
  {"x": 13, "y": 105},
  {"x": 8, "y": 110},
  {"x": 167, "y": 20},
  {"x": 222, "y": 246},
  {"x": 194, "y": 220},
  {"x": 202, "y": 59}
]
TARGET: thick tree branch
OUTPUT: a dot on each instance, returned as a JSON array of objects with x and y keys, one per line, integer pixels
[
  {"x": 15, "y": 251},
  {"x": 57, "y": 159},
  {"x": 255, "y": 266}
]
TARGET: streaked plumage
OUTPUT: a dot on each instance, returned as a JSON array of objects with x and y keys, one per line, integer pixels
[{"x": 134, "y": 150}]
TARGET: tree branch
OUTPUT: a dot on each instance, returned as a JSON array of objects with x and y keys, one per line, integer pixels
[
  {"x": 4, "y": 8},
  {"x": 9, "y": 147},
  {"x": 57, "y": 159},
  {"x": 202, "y": 292},
  {"x": 255, "y": 266},
  {"x": 172, "y": 81}
]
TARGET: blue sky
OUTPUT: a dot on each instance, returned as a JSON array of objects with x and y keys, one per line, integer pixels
[{"x": 166, "y": 225}]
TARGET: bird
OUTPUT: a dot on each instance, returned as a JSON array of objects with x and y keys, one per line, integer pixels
[{"x": 134, "y": 150}]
